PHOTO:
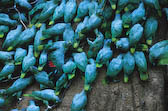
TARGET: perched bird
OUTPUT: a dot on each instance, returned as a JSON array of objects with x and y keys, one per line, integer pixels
[
  {"x": 82, "y": 25},
  {"x": 105, "y": 54},
  {"x": 12, "y": 38},
  {"x": 5, "y": 20},
  {"x": 128, "y": 65},
  {"x": 79, "y": 101},
  {"x": 47, "y": 11},
  {"x": 116, "y": 27},
  {"x": 93, "y": 22},
  {"x": 96, "y": 45},
  {"x": 150, "y": 29},
  {"x": 19, "y": 85},
  {"x": 126, "y": 19},
  {"x": 95, "y": 18},
  {"x": 93, "y": 5},
  {"x": 83, "y": 10},
  {"x": 37, "y": 41},
  {"x": 115, "y": 66},
  {"x": 123, "y": 44},
  {"x": 105, "y": 27},
  {"x": 68, "y": 34},
  {"x": 41, "y": 77},
  {"x": 28, "y": 61},
  {"x": 78, "y": 34},
  {"x": 61, "y": 83},
  {"x": 20, "y": 53},
  {"x": 34, "y": 20},
  {"x": 80, "y": 60},
  {"x": 32, "y": 106},
  {"x": 26, "y": 36},
  {"x": 57, "y": 55},
  {"x": 90, "y": 74},
  {"x": 141, "y": 63},
  {"x": 24, "y": 4},
  {"x": 58, "y": 12},
  {"x": 135, "y": 35},
  {"x": 158, "y": 53},
  {"x": 6, "y": 56},
  {"x": 154, "y": 4},
  {"x": 46, "y": 95},
  {"x": 36, "y": 8},
  {"x": 69, "y": 68},
  {"x": 70, "y": 10},
  {"x": 3, "y": 29},
  {"x": 159, "y": 45},
  {"x": 56, "y": 29},
  {"x": 138, "y": 14},
  {"x": 7, "y": 70},
  {"x": 121, "y": 5},
  {"x": 108, "y": 13},
  {"x": 42, "y": 60}
]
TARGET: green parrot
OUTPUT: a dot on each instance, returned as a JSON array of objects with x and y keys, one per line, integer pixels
[
  {"x": 79, "y": 101},
  {"x": 128, "y": 65},
  {"x": 80, "y": 60},
  {"x": 141, "y": 63},
  {"x": 150, "y": 29},
  {"x": 116, "y": 28},
  {"x": 19, "y": 85},
  {"x": 115, "y": 66},
  {"x": 90, "y": 74},
  {"x": 20, "y": 53},
  {"x": 5, "y": 20},
  {"x": 69, "y": 68},
  {"x": 61, "y": 83},
  {"x": 28, "y": 61},
  {"x": 37, "y": 41},
  {"x": 12, "y": 38}
]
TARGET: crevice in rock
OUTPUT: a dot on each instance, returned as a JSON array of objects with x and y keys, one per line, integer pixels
[
  {"x": 133, "y": 96},
  {"x": 166, "y": 88}
]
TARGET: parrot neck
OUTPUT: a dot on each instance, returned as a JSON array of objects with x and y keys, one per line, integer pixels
[
  {"x": 106, "y": 43},
  {"x": 117, "y": 17},
  {"x": 85, "y": 19},
  {"x": 30, "y": 51},
  {"x": 91, "y": 61},
  {"x": 120, "y": 56},
  {"x": 19, "y": 27},
  {"x": 43, "y": 27},
  {"x": 31, "y": 103},
  {"x": 141, "y": 6}
]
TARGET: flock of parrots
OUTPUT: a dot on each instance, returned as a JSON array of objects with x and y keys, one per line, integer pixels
[{"x": 116, "y": 34}]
